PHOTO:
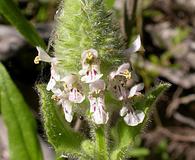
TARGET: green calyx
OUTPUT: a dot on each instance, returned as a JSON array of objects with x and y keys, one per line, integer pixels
[{"x": 85, "y": 24}]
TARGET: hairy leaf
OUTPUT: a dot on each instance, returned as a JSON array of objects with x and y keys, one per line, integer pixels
[
  {"x": 124, "y": 134},
  {"x": 59, "y": 134},
  {"x": 21, "y": 126}
]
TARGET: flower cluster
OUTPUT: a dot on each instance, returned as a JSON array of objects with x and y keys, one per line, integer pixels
[
  {"x": 120, "y": 82},
  {"x": 68, "y": 89}
]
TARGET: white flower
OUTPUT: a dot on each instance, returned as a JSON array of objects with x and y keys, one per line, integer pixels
[
  {"x": 97, "y": 104},
  {"x": 62, "y": 99},
  {"x": 51, "y": 84},
  {"x": 118, "y": 81},
  {"x": 57, "y": 92},
  {"x": 67, "y": 107},
  {"x": 132, "y": 117},
  {"x": 76, "y": 96},
  {"x": 90, "y": 71},
  {"x": 73, "y": 89},
  {"x": 89, "y": 56},
  {"x": 97, "y": 86},
  {"x": 136, "y": 45},
  {"x": 135, "y": 90},
  {"x": 53, "y": 78},
  {"x": 97, "y": 108},
  {"x": 117, "y": 88},
  {"x": 121, "y": 71},
  {"x": 43, "y": 56},
  {"x": 90, "y": 74}
]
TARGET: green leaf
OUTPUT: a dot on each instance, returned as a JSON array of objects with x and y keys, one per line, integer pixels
[
  {"x": 12, "y": 13},
  {"x": 88, "y": 148},
  {"x": 21, "y": 126},
  {"x": 59, "y": 134},
  {"x": 124, "y": 134}
]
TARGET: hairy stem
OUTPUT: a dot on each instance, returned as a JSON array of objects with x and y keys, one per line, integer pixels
[{"x": 101, "y": 146}]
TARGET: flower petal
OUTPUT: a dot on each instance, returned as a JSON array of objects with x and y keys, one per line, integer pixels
[
  {"x": 92, "y": 51},
  {"x": 89, "y": 55},
  {"x": 93, "y": 103},
  {"x": 140, "y": 115},
  {"x": 135, "y": 90},
  {"x": 97, "y": 105},
  {"x": 134, "y": 118},
  {"x": 75, "y": 96},
  {"x": 117, "y": 88},
  {"x": 113, "y": 74},
  {"x": 43, "y": 55},
  {"x": 67, "y": 107},
  {"x": 92, "y": 74},
  {"x": 100, "y": 116},
  {"x": 98, "y": 85},
  {"x": 123, "y": 111},
  {"x": 136, "y": 45},
  {"x": 120, "y": 71},
  {"x": 123, "y": 67},
  {"x": 57, "y": 92},
  {"x": 70, "y": 79},
  {"x": 51, "y": 84},
  {"x": 54, "y": 74}
]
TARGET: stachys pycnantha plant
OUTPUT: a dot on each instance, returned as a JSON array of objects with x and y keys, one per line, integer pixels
[{"x": 91, "y": 76}]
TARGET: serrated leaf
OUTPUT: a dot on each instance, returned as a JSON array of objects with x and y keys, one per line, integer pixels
[
  {"x": 21, "y": 126},
  {"x": 12, "y": 13},
  {"x": 59, "y": 134},
  {"x": 125, "y": 134}
]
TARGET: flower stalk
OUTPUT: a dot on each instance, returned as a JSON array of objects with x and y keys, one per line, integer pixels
[{"x": 101, "y": 144}]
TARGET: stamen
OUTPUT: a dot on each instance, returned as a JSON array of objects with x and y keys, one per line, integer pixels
[
  {"x": 127, "y": 74},
  {"x": 65, "y": 86},
  {"x": 97, "y": 91},
  {"x": 37, "y": 60},
  {"x": 55, "y": 98},
  {"x": 89, "y": 57}
]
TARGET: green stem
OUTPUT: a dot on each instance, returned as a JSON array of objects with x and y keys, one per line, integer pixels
[{"x": 101, "y": 145}]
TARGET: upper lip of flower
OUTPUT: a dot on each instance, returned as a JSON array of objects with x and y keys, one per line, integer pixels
[
  {"x": 43, "y": 56},
  {"x": 121, "y": 71},
  {"x": 135, "y": 46},
  {"x": 89, "y": 56},
  {"x": 135, "y": 90}
]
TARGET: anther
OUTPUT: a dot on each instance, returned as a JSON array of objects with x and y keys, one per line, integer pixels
[
  {"x": 37, "y": 60},
  {"x": 127, "y": 74}
]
